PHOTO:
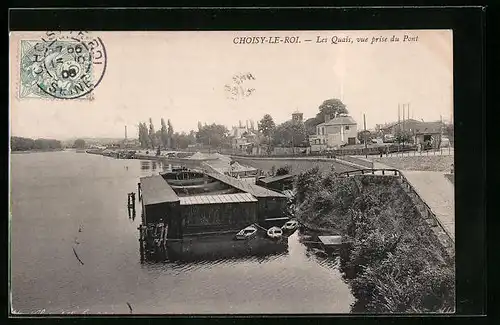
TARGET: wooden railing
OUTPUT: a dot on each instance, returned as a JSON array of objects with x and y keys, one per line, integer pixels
[
  {"x": 372, "y": 171},
  {"x": 407, "y": 186}
]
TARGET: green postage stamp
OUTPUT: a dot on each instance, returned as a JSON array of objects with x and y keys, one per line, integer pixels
[{"x": 62, "y": 65}]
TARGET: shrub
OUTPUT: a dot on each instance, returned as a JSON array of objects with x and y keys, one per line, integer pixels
[{"x": 285, "y": 170}]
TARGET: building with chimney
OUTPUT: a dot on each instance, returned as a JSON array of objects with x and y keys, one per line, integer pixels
[{"x": 334, "y": 132}]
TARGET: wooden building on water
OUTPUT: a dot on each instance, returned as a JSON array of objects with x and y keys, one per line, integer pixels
[{"x": 197, "y": 203}]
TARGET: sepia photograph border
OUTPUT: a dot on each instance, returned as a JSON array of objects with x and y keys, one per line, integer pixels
[{"x": 467, "y": 24}]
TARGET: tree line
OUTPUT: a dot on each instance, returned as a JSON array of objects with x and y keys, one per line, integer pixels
[
  {"x": 165, "y": 137},
  {"x": 287, "y": 134},
  {"x": 26, "y": 144}
]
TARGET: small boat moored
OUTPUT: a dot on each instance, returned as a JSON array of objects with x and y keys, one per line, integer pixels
[
  {"x": 246, "y": 233},
  {"x": 274, "y": 232},
  {"x": 291, "y": 225}
]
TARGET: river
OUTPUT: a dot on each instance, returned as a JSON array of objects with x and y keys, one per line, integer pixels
[{"x": 65, "y": 200}]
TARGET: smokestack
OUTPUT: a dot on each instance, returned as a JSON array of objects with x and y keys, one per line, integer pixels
[
  {"x": 125, "y": 132},
  {"x": 408, "y": 116},
  {"x": 403, "y": 117}
]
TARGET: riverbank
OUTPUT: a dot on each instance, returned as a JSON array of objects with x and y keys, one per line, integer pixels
[
  {"x": 394, "y": 262},
  {"x": 36, "y": 151}
]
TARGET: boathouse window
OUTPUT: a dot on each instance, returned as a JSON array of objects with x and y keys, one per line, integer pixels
[{"x": 347, "y": 127}]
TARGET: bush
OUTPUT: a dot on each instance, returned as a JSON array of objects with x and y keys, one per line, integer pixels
[
  {"x": 393, "y": 261},
  {"x": 285, "y": 170}
]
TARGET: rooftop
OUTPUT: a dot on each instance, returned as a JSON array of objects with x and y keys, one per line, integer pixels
[
  {"x": 156, "y": 190},
  {"x": 217, "y": 199},
  {"x": 420, "y": 126},
  {"x": 341, "y": 120},
  {"x": 255, "y": 190},
  {"x": 223, "y": 166},
  {"x": 272, "y": 179}
]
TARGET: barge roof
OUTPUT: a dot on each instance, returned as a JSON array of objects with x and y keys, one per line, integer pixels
[
  {"x": 273, "y": 179},
  {"x": 156, "y": 190},
  {"x": 255, "y": 190},
  {"x": 217, "y": 199}
]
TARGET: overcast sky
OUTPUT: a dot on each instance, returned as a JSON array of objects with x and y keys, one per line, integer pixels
[{"x": 181, "y": 76}]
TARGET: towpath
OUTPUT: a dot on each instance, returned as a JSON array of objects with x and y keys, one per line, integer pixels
[
  {"x": 439, "y": 194},
  {"x": 436, "y": 190}
]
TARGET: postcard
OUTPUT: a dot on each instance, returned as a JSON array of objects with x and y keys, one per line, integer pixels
[{"x": 232, "y": 172}]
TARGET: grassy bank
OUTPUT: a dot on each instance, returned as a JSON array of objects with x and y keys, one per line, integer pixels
[
  {"x": 394, "y": 263},
  {"x": 429, "y": 163}
]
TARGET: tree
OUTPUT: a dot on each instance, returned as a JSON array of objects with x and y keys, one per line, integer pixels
[
  {"x": 152, "y": 135},
  {"x": 79, "y": 143},
  {"x": 21, "y": 144},
  {"x": 290, "y": 134},
  {"x": 334, "y": 107},
  {"x": 143, "y": 135},
  {"x": 362, "y": 135},
  {"x": 183, "y": 140},
  {"x": 403, "y": 136},
  {"x": 170, "y": 133},
  {"x": 310, "y": 125},
  {"x": 449, "y": 132},
  {"x": 284, "y": 170},
  {"x": 213, "y": 135},
  {"x": 267, "y": 125},
  {"x": 163, "y": 134}
]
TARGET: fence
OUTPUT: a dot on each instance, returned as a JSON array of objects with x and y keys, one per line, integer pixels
[{"x": 431, "y": 152}]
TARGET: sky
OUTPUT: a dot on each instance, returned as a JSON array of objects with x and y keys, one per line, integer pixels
[{"x": 182, "y": 76}]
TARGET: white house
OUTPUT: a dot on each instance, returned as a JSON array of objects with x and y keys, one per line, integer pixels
[{"x": 334, "y": 132}]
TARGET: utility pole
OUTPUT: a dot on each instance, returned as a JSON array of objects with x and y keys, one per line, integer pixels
[
  {"x": 366, "y": 144},
  {"x": 403, "y": 117},
  {"x": 402, "y": 133}
]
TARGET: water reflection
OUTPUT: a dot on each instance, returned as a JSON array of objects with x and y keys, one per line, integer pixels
[
  {"x": 156, "y": 165},
  {"x": 215, "y": 248},
  {"x": 145, "y": 164}
]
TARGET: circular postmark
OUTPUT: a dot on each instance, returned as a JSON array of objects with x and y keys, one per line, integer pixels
[
  {"x": 64, "y": 65},
  {"x": 239, "y": 88}
]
